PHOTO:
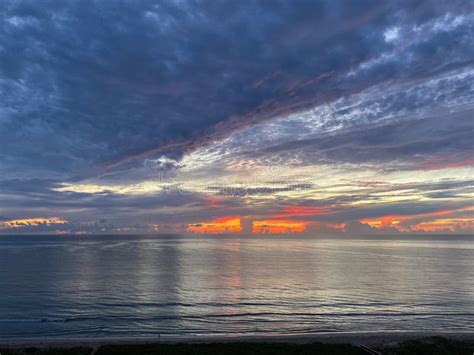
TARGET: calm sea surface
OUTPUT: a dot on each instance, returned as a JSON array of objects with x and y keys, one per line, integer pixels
[{"x": 116, "y": 286}]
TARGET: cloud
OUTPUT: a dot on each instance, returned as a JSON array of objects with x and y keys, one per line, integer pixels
[
  {"x": 261, "y": 190},
  {"x": 264, "y": 106},
  {"x": 171, "y": 76},
  {"x": 459, "y": 220},
  {"x": 278, "y": 226},
  {"x": 400, "y": 124},
  {"x": 222, "y": 225},
  {"x": 38, "y": 224}
]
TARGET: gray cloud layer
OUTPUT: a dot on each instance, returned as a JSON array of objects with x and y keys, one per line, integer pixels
[
  {"x": 91, "y": 82},
  {"x": 92, "y": 86}
]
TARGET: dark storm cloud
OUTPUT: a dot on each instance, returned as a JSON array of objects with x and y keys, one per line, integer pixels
[{"x": 89, "y": 82}]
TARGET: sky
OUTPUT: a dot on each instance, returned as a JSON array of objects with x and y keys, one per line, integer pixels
[{"x": 264, "y": 117}]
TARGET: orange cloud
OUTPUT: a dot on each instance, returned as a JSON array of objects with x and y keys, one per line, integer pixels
[
  {"x": 384, "y": 222},
  {"x": 230, "y": 224},
  {"x": 445, "y": 224},
  {"x": 278, "y": 226},
  {"x": 32, "y": 222},
  {"x": 432, "y": 223}
]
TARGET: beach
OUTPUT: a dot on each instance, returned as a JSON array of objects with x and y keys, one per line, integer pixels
[
  {"x": 324, "y": 343},
  {"x": 236, "y": 177}
]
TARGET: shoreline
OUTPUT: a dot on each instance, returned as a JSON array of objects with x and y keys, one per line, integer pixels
[
  {"x": 375, "y": 343},
  {"x": 365, "y": 338}
]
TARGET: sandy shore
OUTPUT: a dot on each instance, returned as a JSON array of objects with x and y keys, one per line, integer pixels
[
  {"x": 333, "y": 337},
  {"x": 360, "y": 342}
]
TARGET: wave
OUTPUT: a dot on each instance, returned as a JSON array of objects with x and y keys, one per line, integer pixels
[
  {"x": 249, "y": 315},
  {"x": 35, "y": 320}
]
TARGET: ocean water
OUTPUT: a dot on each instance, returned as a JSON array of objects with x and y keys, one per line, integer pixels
[{"x": 114, "y": 286}]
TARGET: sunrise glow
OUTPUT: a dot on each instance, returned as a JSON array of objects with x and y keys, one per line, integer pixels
[
  {"x": 176, "y": 134},
  {"x": 383, "y": 222},
  {"x": 278, "y": 227},
  {"x": 18, "y": 223},
  {"x": 237, "y": 174},
  {"x": 217, "y": 226}
]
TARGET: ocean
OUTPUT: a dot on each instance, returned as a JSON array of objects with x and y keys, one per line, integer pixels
[{"x": 150, "y": 286}]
